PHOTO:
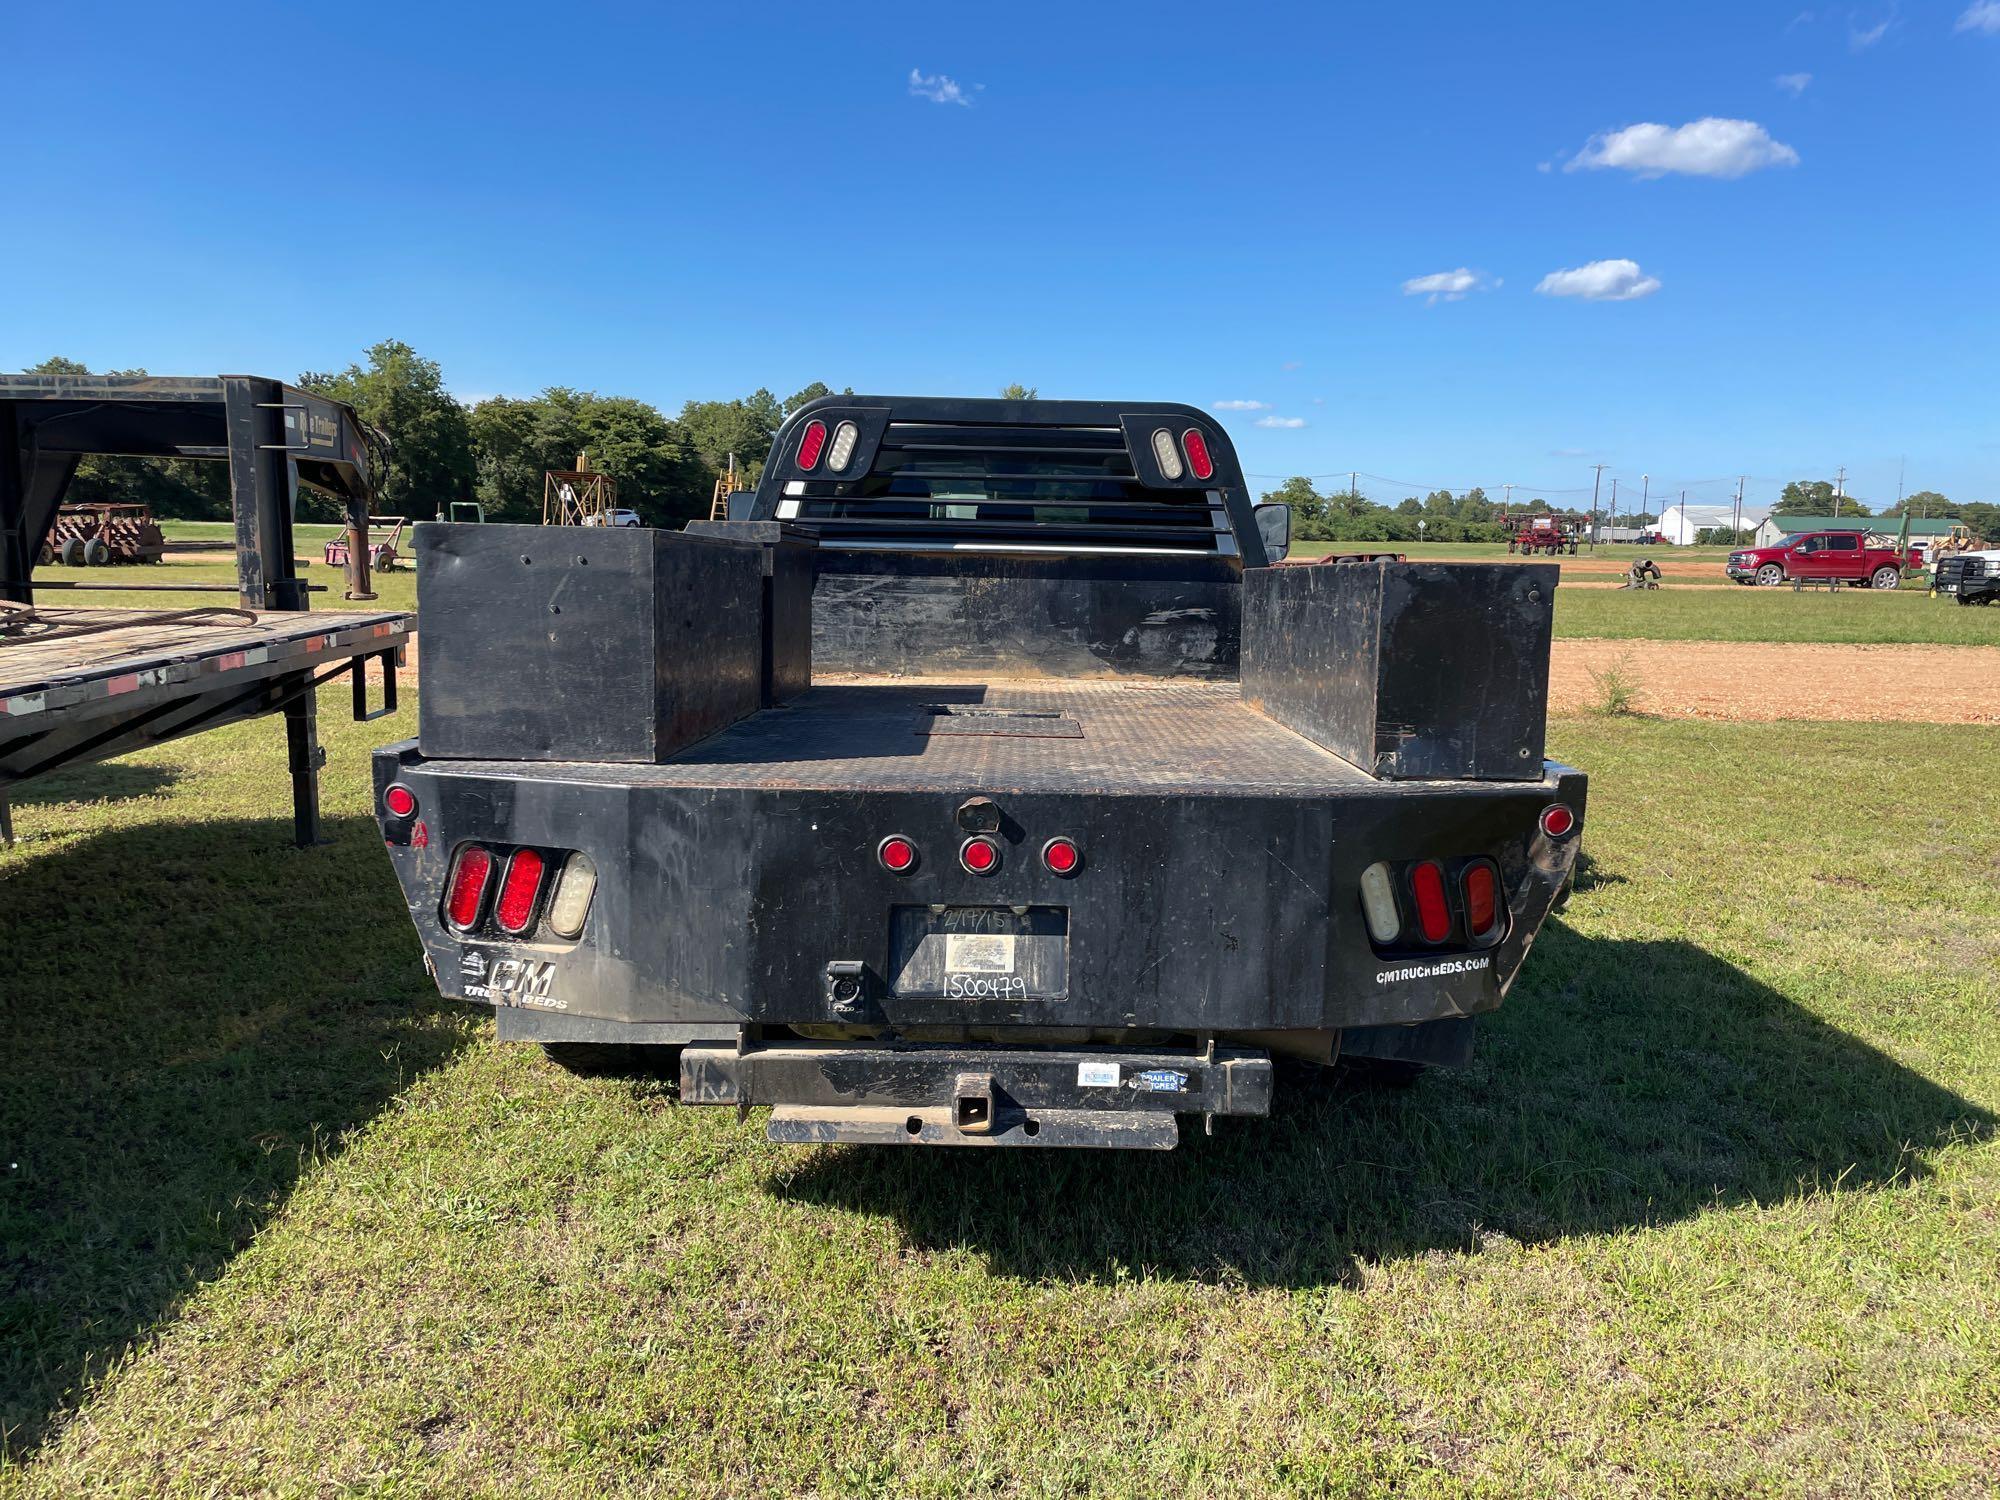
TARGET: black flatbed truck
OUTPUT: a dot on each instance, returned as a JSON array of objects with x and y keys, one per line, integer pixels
[{"x": 979, "y": 782}]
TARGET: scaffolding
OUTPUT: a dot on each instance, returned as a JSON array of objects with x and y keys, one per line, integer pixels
[{"x": 582, "y": 496}]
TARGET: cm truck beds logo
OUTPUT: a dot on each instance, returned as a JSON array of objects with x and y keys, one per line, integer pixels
[
  {"x": 510, "y": 981},
  {"x": 1434, "y": 970}
]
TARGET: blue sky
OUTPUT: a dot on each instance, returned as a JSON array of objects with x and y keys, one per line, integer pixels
[{"x": 1210, "y": 204}]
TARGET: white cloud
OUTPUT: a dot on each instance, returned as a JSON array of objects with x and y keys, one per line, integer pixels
[
  {"x": 1600, "y": 281},
  {"x": 940, "y": 89},
  {"x": 1982, "y": 16},
  {"x": 1706, "y": 148},
  {"x": 1449, "y": 286},
  {"x": 1286, "y": 422},
  {"x": 1291, "y": 364},
  {"x": 1795, "y": 83},
  {"x": 1861, "y": 38},
  {"x": 1241, "y": 406}
]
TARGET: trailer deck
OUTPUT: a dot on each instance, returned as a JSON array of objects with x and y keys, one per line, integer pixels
[{"x": 81, "y": 684}]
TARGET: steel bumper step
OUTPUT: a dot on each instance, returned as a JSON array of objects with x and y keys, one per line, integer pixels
[
  {"x": 808, "y": 1125},
  {"x": 977, "y": 1096}
]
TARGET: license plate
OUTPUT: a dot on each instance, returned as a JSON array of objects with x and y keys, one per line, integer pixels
[{"x": 979, "y": 953}]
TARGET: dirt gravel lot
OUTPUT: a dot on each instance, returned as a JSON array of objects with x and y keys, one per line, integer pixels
[{"x": 1739, "y": 680}]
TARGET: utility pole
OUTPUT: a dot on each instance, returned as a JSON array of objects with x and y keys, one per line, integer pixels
[
  {"x": 1595, "y": 481},
  {"x": 1736, "y": 525},
  {"x": 1508, "y": 503},
  {"x": 1645, "y": 496},
  {"x": 1614, "y": 502},
  {"x": 1839, "y": 491},
  {"x": 1353, "y": 482}
]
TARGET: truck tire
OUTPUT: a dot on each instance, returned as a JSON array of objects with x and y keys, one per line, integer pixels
[
  {"x": 1770, "y": 575},
  {"x": 1886, "y": 578},
  {"x": 613, "y": 1059},
  {"x": 96, "y": 553},
  {"x": 72, "y": 552}
]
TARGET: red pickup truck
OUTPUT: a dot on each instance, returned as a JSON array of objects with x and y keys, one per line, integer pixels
[{"x": 1845, "y": 555}]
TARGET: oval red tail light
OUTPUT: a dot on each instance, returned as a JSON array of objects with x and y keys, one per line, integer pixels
[
  {"x": 898, "y": 854},
  {"x": 1433, "y": 911},
  {"x": 980, "y": 855},
  {"x": 812, "y": 442},
  {"x": 1199, "y": 463},
  {"x": 1557, "y": 820},
  {"x": 515, "y": 910},
  {"x": 466, "y": 890},
  {"x": 1062, "y": 856},
  {"x": 1481, "y": 884},
  {"x": 401, "y": 801}
]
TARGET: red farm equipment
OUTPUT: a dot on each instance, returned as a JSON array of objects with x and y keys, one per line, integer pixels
[
  {"x": 99, "y": 533},
  {"x": 1530, "y": 534},
  {"x": 382, "y": 555}
]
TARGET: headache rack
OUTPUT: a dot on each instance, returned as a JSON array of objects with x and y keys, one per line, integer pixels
[{"x": 938, "y": 475}]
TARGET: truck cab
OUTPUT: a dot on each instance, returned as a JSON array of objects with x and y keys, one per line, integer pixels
[{"x": 978, "y": 783}]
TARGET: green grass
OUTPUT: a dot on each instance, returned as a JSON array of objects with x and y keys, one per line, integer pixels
[
  {"x": 395, "y": 590},
  {"x": 1864, "y": 616},
  {"x": 1713, "y": 1212}
]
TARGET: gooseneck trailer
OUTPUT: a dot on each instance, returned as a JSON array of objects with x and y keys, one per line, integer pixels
[
  {"x": 978, "y": 782},
  {"x": 84, "y": 683}
]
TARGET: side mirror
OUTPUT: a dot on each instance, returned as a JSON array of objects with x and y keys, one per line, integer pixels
[{"x": 1274, "y": 525}]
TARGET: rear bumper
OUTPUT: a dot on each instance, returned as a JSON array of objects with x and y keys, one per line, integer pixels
[{"x": 1193, "y": 915}]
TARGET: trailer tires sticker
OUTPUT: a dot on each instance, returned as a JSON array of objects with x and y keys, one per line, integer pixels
[{"x": 1097, "y": 1075}]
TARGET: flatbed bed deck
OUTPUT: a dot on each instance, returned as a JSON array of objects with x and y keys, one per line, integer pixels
[{"x": 1016, "y": 735}]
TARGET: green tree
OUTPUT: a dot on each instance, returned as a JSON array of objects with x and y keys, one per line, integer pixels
[
  {"x": 430, "y": 434},
  {"x": 1816, "y": 497},
  {"x": 1018, "y": 392},
  {"x": 1309, "y": 521},
  {"x": 517, "y": 441},
  {"x": 1925, "y": 503},
  {"x": 812, "y": 393}
]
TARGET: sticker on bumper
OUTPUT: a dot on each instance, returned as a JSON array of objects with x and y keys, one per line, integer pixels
[{"x": 1436, "y": 969}]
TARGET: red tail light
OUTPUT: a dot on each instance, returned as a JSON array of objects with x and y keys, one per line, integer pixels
[
  {"x": 515, "y": 910},
  {"x": 812, "y": 442},
  {"x": 400, "y": 800},
  {"x": 980, "y": 855},
  {"x": 1199, "y": 462},
  {"x": 1062, "y": 856},
  {"x": 466, "y": 891},
  {"x": 898, "y": 854},
  {"x": 1557, "y": 820},
  {"x": 1482, "y": 902},
  {"x": 1433, "y": 911}
]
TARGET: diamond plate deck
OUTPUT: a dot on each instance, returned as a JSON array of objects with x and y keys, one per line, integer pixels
[{"x": 862, "y": 735}]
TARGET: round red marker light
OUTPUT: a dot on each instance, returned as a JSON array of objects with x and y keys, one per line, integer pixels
[
  {"x": 898, "y": 854},
  {"x": 812, "y": 442},
  {"x": 401, "y": 801},
  {"x": 1557, "y": 820},
  {"x": 979, "y": 855},
  {"x": 1062, "y": 856}
]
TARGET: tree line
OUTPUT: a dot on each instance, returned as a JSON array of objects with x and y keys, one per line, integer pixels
[
  {"x": 495, "y": 451},
  {"x": 1349, "y": 516},
  {"x": 1440, "y": 516}
]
